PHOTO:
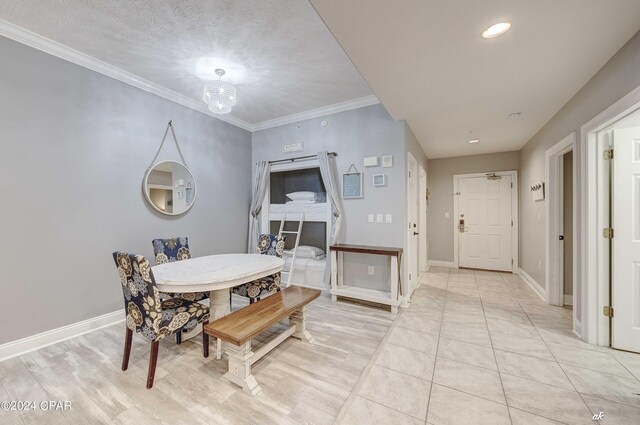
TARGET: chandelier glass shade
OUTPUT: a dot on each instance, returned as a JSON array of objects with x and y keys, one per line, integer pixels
[{"x": 219, "y": 95}]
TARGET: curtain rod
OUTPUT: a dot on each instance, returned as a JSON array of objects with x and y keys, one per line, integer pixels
[{"x": 299, "y": 158}]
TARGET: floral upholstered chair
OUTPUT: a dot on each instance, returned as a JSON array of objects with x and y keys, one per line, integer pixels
[
  {"x": 148, "y": 315},
  {"x": 175, "y": 249},
  {"x": 268, "y": 245}
]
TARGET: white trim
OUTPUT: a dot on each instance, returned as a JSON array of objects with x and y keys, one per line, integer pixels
[
  {"x": 514, "y": 214},
  {"x": 44, "y": 44},
  {"x": 437, "y": 263},
  {"x": 537, "y": 288},
  {"x": 408, "y": 290},
  {"x": 554, "y": 287},
  {"x": 568, "y": 299},
  {"x": 595, "y": 329},
  {"x": 53, "y": 336},
  {"x": 318, "y": 112}
]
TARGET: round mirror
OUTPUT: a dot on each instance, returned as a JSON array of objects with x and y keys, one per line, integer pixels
[{"x": 170, "y": 188}]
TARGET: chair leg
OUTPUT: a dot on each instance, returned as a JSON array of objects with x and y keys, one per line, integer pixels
[
  {"x": 153, "y": 360},
  {"x": 178, "y": 338},
  {"x": 251, "y": 300},
  {"x": 127, "y": 349},
  {"x": 205, "y": 340}
]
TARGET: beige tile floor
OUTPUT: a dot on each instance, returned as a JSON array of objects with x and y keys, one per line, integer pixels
[
  {"x": 482, "y": 348},
  {"x": 473, "y": 348}
]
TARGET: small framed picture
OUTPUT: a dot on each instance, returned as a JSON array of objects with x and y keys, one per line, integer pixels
[
  {"x": 352, "y": 185},
  {"x": 379, "y": 180}
]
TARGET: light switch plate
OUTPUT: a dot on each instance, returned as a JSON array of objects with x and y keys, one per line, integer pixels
[
  {"x": 370, "y": 218},
  {"x": 388, "y": 218},
  {"x": 447, "y": 215},
  {"x": 379, "y": 218}
]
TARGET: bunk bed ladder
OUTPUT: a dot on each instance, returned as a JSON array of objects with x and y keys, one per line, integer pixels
[{"x": 295, "y": 247}]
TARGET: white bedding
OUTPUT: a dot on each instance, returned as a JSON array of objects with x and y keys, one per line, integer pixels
[
  {"x": 292, "y": 207},
  {"x": 307, "y": 272}
]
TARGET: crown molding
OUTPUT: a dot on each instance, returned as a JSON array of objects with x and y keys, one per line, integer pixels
[
  {"x": 44, "y": 44},
  {"x": 37, "y": 41},
  {"x": 319, "y": 112}
]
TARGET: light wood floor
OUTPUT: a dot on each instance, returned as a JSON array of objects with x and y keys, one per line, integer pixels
[{"x": 302, "y": 383}]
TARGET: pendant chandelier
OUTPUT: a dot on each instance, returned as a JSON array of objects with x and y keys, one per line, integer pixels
[{"x": 219, "y": 95}]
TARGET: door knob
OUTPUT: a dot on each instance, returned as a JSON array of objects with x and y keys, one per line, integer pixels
[
  {"x": 561, "y": 237},
  {"x": 415, "y": 233}
]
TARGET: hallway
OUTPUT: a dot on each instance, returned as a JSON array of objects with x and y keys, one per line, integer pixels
[{"x": 485, "y": 349}]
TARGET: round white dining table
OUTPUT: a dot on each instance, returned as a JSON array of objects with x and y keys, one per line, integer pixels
[{"x": 216, "y": 274}]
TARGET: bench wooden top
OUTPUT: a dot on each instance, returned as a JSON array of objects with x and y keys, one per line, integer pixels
[
  {"x": 366, "y": 249},
  {"x": 243, "y": 325}
]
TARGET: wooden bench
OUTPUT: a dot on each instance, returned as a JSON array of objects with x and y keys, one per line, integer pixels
[{"x": 241, "y": 326}]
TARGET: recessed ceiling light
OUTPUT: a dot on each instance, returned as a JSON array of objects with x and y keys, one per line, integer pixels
[
  {"x": 474, "y": 141},
  {"x": 496, "y": 30}
]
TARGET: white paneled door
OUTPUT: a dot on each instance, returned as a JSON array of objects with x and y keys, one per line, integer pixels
[
  {"x": 625, "y": 288},
  {"x": 485, "y": 222}
]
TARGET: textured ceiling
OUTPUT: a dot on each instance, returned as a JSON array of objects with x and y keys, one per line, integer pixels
[
  {"x": 278, "y": 53},
  {"x": 428, "y": 64}
]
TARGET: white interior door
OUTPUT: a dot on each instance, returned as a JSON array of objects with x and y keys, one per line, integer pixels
[
  {"x": 625, "y": 289},
  {"x": 422, "y": 222},
  {"x": 412, "y": 218},
  {"x": 485, "y": 223}
]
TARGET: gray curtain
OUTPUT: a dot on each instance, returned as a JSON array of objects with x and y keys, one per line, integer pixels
[
  {"x": 328, "y": 171},
  {"x": 260, "y": 185}
]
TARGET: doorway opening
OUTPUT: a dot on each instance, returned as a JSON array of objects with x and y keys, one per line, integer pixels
[
  {"x": 413, "y": 251},
  {"x": 560, "y": 238},
  {"x": 486, "y": 221}
]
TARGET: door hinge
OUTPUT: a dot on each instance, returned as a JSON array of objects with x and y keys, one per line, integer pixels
[
  {"x": 607, "y": 311},
  {"x": 607, "y": 154},
  {"x": 512, "y": 185},
  {"x": 512, "y": 261},
  {"x": 511, "y": 223},
  {"x": 607, "y": 233}
]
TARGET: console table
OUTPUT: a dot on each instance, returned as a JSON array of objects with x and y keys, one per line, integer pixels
[{"x": 340, "y": 289}]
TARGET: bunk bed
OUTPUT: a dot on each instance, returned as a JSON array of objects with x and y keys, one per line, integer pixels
[{"x": 296, "y": 203}]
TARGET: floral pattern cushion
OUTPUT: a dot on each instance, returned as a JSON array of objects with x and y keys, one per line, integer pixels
[
  {"x": 175, "y": 249},
  {"x": 170, "y": 250},
  {"x": 143, "y": 306},
  {"x": 259, "y": 288},
  {"x": 271, "y": 245},
  {"x": 268, "y": 245}
]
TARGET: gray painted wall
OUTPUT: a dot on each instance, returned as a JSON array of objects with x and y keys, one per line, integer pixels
[
  {"x": 74, "y": 149},
  {"x": 354, "y": 134},
  {"x": 616, "y": 79},
  {"x": 440, "y": 181}
]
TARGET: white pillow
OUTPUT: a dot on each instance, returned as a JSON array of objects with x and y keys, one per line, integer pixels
[
  {"x": 302, "y": 196},
  {"x": 306, "y": 251}
]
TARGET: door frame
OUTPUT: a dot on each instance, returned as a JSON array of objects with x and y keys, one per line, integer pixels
[
  {"x": 410, "y": 198},
  {"x": 423, "y": 241},
  {"x": 554, "y": 260},
  {"x": 514, "y": 214},
  {"x": 594, "y": 287}
]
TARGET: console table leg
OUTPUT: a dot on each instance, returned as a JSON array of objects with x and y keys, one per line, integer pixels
[
  {"x": 298, "y": 319},
  {"x": 240, "y": 368}
]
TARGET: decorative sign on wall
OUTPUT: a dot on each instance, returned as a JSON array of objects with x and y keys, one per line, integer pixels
[
  {"x": 379, "y": 180},
  {"x": 370, "y": 161},
  {"x": 352, "y": 183},
  {"x": 537, "y": 190},
  {"x": 387, "y": 161},
  {"x": 293, "y": 147}
]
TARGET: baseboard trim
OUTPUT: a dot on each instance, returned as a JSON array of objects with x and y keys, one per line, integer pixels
[
  {"x": 533, "y": 284},
  {"x": 568, "y": 300},
  {"x": 436, "y": 263},
  {"x": 41, "y": 340}
]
